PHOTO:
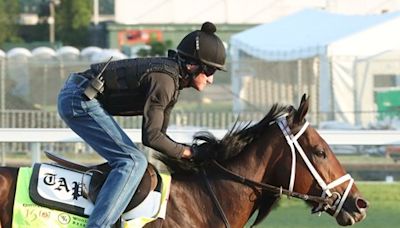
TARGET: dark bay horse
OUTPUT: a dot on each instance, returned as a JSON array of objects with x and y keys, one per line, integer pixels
[{"x": 252, "y": 168}]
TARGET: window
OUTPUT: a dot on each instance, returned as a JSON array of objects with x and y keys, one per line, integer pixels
[{"x": 386, "y": 80}]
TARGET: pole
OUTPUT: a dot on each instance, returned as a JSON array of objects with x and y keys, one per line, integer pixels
[
  {"x": 95, "y": 12},
  {"x": 299, "y": 80},
  {"x": 35, "y": 148},
  {"x": 3, "y": 107},
  {"x": 51, "y": 21},
  {"x": 2, "y": 92}
]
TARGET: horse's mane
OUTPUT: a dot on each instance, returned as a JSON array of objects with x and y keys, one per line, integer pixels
[{"x": 232, "y": 144}]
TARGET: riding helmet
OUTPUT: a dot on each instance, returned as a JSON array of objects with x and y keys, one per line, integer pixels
[{"x": 204, "y": 46}]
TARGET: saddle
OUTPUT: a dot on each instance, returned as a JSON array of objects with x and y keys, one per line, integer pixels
[{"x": 151, "y": 180}]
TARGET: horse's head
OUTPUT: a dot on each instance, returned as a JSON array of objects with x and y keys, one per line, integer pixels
[
  {"x": 279, "y": 151},
  {"x": 310, "y": 167}
]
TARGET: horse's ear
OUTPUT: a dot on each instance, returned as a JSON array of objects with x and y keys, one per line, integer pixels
[{"x": 303, "y": 109}]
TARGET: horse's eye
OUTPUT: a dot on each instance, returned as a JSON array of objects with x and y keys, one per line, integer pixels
[{"x": 320, "y": 153}]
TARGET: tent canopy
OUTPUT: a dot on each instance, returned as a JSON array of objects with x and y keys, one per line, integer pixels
[
  {"x": 340, "y": 82},
  {"x": 314, "y": 32}
]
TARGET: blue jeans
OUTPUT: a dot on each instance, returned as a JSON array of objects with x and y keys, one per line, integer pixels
[{"x": 94, "y": 125}]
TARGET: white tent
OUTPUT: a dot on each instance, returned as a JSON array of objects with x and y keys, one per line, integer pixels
[{"x": 337, "y": 43}]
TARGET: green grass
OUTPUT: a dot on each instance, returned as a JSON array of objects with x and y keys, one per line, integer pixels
[
  {"x": 364, "y": 159},
  {"x": 384, "y": 210}
]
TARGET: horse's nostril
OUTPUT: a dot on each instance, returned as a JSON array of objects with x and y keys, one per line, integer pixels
[{"x": 361, "y": 203}]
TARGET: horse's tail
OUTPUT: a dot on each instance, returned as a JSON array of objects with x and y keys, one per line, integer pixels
[{"x": 8, "y": 177}]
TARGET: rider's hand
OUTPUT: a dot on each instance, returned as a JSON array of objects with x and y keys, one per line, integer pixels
[{"x": 187, "y": 153}]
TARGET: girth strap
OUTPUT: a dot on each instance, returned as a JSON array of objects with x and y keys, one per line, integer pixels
[{"x": 214, "y": 198}]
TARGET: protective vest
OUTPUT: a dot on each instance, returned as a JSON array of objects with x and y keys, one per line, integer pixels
[{"x": 124, "y": 94}]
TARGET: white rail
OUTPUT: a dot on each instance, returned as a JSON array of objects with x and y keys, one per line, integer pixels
[
  {"x": 67, "y": 135},
  {"x": 36, "y": 136}
]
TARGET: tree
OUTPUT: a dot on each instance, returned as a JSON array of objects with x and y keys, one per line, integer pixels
[
  {"x": 73, "y": 22},
  {"x": 157, "y": 48},
  {"x": 9, "y": 11}
]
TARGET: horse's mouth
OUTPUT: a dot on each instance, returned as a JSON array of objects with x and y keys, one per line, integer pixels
[
  {"x": 345, "y": 218},
  {"x": 349, "y": 214}
]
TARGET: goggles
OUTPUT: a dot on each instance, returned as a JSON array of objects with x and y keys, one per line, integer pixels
[{"x": 208, "y": 70}]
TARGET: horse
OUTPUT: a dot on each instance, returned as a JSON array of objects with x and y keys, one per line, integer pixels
[{"x": 249, "y": 170}]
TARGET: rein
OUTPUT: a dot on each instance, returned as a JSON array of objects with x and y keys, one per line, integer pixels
[
  {"x": 243, "y": 180},
  {"x": 271, "y": 188},
  {"x": 325, "y": 201},
  {"x": 215, "y": 199}
]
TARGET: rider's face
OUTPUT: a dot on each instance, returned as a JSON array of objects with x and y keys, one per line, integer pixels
[{"x": 201, "y": 80}]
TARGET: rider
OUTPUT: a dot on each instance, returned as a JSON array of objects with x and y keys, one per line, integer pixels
[{"x": 141, "y": 86}]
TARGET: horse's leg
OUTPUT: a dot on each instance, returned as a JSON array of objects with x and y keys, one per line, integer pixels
[{"x": 8, "y": 178}]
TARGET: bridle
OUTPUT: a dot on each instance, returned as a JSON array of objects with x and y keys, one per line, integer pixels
[
  {"x": 325, "y": 201},
  {"x": 292, "y": 141}
]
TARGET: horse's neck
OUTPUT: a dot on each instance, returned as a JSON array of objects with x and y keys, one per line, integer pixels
[
  {"x": 252, "y": 165},
  {"x": 255, "y": 162},
  {"x": 189, "y": 192}
]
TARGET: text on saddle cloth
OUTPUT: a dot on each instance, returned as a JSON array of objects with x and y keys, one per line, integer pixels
[{"x": 148, "y": 210}]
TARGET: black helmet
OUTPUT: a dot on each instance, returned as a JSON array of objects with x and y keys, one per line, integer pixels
[{"x": 204, "y": 46}]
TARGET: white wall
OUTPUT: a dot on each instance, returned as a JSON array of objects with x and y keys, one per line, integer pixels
[{"x": 235, "y": 11}]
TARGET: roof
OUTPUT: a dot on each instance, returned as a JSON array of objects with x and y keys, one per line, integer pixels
[{"x": 314, "y": 32}]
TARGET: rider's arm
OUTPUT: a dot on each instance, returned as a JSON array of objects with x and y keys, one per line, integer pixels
[
  {"x": 167, "y": 113},
  {"x": 187, "y": 153},
  {"x": 160, "y": 90}
]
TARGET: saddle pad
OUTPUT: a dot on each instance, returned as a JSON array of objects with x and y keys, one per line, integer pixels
[
  {"x": 28, "y": 214},
  {"x": 60, "y": 188},
  {"x": 162, "y": 210}
]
